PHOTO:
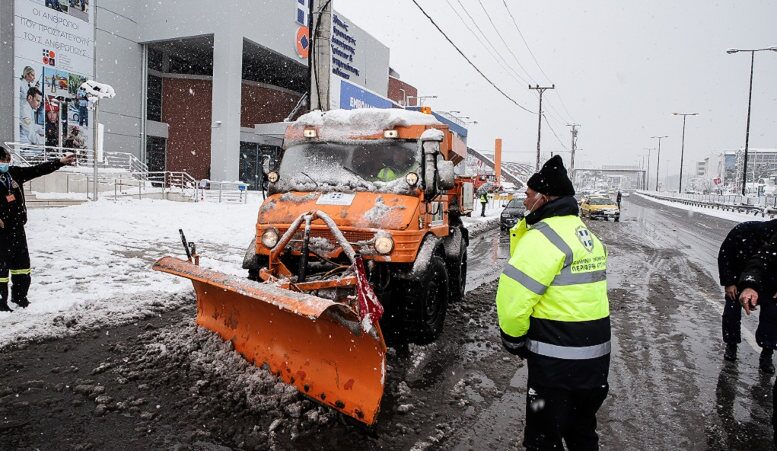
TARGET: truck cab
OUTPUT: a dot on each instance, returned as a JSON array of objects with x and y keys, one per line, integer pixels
[{"x": 386, "y": 179}]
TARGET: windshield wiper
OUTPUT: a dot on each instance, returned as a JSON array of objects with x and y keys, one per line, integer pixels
[{"x": 311, "y": 178}]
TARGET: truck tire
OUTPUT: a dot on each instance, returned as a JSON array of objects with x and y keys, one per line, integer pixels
[
  {"x": 424, "y": 303},
  {"x": 457, "y": 275}
]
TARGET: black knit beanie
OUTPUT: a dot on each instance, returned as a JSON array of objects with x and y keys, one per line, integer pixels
[{"x": 552, "y": 179}]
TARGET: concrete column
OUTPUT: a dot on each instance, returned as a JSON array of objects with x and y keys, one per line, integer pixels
[
  {"x": 225, "y": 119},
  {"x": 10, "y": 91}
]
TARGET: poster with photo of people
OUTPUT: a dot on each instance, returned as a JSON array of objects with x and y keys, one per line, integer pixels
[
  {"x": 75, "y": 8},
  {"x": 50, "y": 107},
  {"x": 66, "y": 109}
]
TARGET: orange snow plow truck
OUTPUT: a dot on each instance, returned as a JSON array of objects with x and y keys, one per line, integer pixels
[{"x": 359, "y": 236}]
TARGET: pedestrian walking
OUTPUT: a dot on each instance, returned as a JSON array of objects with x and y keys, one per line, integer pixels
[
  {"x": 553, "y": 311},
  {"x": 758, "y": 283},
  {"x": 742, "y": 243},
  {"x": 14, "y": 256},
  {"x": 483, "y": 202},
  {"x": 618, "y": 199}
]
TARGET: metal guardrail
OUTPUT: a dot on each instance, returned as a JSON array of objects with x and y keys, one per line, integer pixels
[
  {"x": 763, "y": 205},
  {"x": 222, "y": 192},
  {"x": 28, "y": 154}
]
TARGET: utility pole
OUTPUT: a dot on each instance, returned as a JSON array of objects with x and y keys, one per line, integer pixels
[
  {"x": 321, "y": 57},
  {"x": 682, "y": 147},
  {"x": 541, "y": 90},
  {"x": 574, "y": 147},
  {"x": 658, "y": 159},
  {"x": 749, "y": 102}
]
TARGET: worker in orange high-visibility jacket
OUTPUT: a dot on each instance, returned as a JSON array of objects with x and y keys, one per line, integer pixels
[{"x": 553, "y": 311}]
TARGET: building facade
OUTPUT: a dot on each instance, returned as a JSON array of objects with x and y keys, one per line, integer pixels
[{"x": 192, "y": 78}]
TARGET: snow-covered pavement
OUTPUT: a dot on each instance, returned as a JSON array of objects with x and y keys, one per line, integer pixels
[{"x": 92, "y": 262}]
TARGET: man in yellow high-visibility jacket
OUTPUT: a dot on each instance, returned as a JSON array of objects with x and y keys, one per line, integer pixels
[{"x": 553, "y": 310}]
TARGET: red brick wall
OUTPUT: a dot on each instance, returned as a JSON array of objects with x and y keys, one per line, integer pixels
[
  {"x": 261, "y": 105},
  {"x": 396, "y": 95},
  {"x": 186, "y": 107}
]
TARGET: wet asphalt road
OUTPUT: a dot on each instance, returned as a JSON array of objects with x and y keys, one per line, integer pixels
[{"x": 670, "y": 388}]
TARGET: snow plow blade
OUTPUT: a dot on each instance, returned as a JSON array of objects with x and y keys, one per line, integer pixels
[{"x": 312, "y": 343}]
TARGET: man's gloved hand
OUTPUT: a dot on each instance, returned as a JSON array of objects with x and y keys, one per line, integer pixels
[
  {"x": 749, "y": 300},
  {"x": 68, "y": 159},
  {"x": 515, "y": 345}
]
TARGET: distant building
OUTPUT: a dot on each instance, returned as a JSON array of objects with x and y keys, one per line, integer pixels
[
  {"x": 719, "y": 172},
  {"x": 701, "y": 168},
  {"x": 761, "y": 163}
]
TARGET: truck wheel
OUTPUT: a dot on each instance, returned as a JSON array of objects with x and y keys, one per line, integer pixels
[
  {"x": 424, "y": 303},
  {"x": 457, "y": 275}
]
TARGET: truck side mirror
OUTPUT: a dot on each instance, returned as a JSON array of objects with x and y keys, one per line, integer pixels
[
  {"x": 445, "y": 174},
  {"x": 431, "y": 149},
  {"x": 266, "y": 165}
]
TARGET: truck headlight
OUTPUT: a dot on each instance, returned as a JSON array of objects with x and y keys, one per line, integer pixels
[
  {"x": 384, "y": 245},
  {"x": 411, "y": 178},
  {"x": 270, "y": 238},
  {"x": 273, "y": 177}
]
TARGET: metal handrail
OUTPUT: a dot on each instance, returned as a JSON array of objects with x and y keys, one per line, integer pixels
[
  {"x": 30, "y": 154},
  {"x": 222, "y": 191}
]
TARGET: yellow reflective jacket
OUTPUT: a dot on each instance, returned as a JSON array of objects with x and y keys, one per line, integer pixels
[{"x": 552, "y": 300}]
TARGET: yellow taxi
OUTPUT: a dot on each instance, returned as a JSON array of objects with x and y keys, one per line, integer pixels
[{"x": 600, "y": 207}]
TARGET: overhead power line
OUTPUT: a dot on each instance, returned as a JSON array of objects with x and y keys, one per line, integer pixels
[
  {"x": 518, "y": 29},
  {"x": 470, "y": 62},
  {"x": 507, "y": 46},
  {"x": 507, "y": 65},
  {"x": 503, "y": 64},
  {"x": 554, "y": 132}
]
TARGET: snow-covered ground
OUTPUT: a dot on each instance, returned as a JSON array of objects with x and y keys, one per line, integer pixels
[
  {"x": 92, "y": 262},
  {"x": 692, "y": 209}
]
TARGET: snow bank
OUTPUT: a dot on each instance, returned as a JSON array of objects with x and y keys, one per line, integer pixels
[
  {"x": 94, "y": 260},
  {"x": 692, "y": 209}
]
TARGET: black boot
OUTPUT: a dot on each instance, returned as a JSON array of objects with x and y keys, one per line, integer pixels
[
  {"x": 22, "y": 302},
  {"x": 730, "y": 353},
  {"x": 4, "y": 298},
  {"x": 765, "y": 362}
]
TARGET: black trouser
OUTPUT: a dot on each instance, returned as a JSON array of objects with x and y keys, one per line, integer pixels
[
  {"x": 14, "y": 261},
  {"x": 765, "y": 335},
  {"x": 553, "y": 414},
  {"x": 483, "y": 209}
]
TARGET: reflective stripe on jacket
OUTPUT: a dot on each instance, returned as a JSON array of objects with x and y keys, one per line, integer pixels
[{"x": 553, "y": 292}]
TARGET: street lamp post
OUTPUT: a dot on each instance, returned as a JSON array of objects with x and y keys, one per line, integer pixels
[
  {"x": 749, "y": 102},
  {"x": 658, "y": 158},
  {"x": 682, "y": 147}
]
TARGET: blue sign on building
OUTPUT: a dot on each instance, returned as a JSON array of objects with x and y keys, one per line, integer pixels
[{"x": 353, "y": 96}]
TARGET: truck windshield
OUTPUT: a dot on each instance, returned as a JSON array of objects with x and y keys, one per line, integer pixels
[{"x": 368, "y": 165}]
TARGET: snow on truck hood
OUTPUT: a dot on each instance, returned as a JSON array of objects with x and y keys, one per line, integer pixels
[
  {"x": 365, "y": 120},
  {"x": 367, "y": 210}
]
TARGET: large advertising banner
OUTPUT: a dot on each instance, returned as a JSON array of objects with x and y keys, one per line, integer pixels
[{"x": 53, "y": 56}]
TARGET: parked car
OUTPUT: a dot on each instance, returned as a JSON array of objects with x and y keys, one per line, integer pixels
[
  {"x": 512, "y": 213},
  {"x": 596, "y": 207}
]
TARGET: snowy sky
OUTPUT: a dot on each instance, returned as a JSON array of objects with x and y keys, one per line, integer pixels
[{"x": 620, "y": 68}]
